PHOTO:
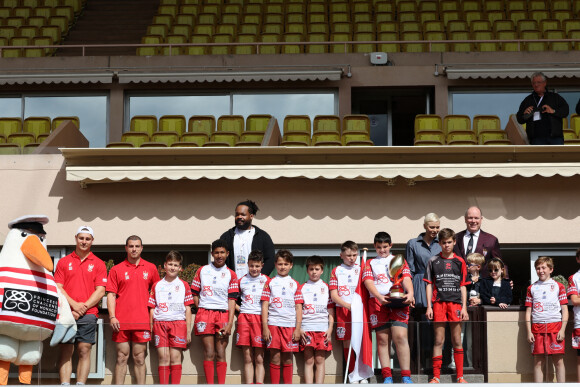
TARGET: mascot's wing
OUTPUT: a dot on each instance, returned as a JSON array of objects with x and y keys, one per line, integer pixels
[{"x": 66, "y": 327}]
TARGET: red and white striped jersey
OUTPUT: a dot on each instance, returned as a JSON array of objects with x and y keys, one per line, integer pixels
[
  {"x": 377, "y": 269},
  {"x": 317, "y": 301},
  {"x": 215, "y": 286},
  {"x": 170, "y": 299},
  {"x": 28, "y": 297},
  {"x": 574, "y": 288},
  {"x": 283, "y": 294},
  {"x": 251, "y": 289},
  {"x": 545, "y": 298},
  {"x": 344, "y": 280}
]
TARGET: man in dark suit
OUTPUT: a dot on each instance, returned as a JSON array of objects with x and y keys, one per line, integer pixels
[{"x": 474, "y": 240}]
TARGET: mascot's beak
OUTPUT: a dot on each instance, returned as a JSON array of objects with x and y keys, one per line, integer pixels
[{"x": 36, "y": 252}]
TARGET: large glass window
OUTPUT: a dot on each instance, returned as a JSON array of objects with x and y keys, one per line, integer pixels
[
  {"x": 10, "y": 107},
  {"x": 91, "y": 111},
  {"x": 278, "y": 105}
]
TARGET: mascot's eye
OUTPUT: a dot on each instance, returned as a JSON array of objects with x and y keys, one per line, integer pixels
[
  {"x": 24, "y": 234},
  {"x": 41, "y": 238}
]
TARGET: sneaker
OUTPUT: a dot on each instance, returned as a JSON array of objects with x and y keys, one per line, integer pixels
[
  {"x": 364, "y": 381},
  {"x": 461, "y": 380},
  {"x": 451, "y": 365},
  {"x": 355, "y": 382},
  {"x": 434, "y": 381},
  {"x": 388, "y": 380},
  {"x": 407, "y": 380}
]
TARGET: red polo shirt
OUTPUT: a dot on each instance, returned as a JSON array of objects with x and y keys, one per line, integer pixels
[
  {"x": 132, "y": 283},
  {"x": 81, "y": 278}
]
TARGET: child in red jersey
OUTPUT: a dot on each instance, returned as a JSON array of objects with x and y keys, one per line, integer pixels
[
  {"x": 170, "y": 312},
  {"x": 574, "y": 294},
  {"x": 446, "y": 278},
  {"x": 343, "y": 282},
  {"x": 317, "y": 321},
  {"x": 215, "y": 290},
  {"x": 249, "y": 327},
  {"x": 282, "y": 318},
  {"x": 546, "y": 320},
  {"x": 389, "y": 323}
]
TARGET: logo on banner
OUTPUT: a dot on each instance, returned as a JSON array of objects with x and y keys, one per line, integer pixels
[{"x": 30, "y": 303}]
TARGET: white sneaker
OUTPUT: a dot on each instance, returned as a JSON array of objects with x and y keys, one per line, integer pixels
[
  {"x": 355, "y": 382},
  {"x": 364, "y": 381}
]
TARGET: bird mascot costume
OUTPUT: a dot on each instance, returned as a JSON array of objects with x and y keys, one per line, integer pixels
[{"x": 31, "y": 308}]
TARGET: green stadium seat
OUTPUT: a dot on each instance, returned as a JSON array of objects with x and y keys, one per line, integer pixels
[
  {"x": 453, "y": 123},
  {"x": 10, "y": 149},
  {"x": 317, "y": 48},
  {"x": 37, "y": 126},
  {"x": 175, "y": 48},
  {"x": 557, "y": 46},
  {"x": 258, "y": 123},
  {"x": 413, "y": 47},
  {"x": 153, "y": 144},
  {"x": 59, "y": 120},
  {"x": 28, "y": 149},
  {"x": 273, "y": 28},
  {"x": 198, "y": 50},
  {"x": 172, "y": 123},
  {"x": 21, "y": 139},
  {"x": 461, "y": 138},
  {"x": 270, "y": 49},
  {"x": 364, "y": 47},
  {"x": 245, "y": 50},
  {"x": 135, "y": 138},
  {"x": 120, "y": 145},
  {"x": 152, "y": 50},
  {"x": 326, "y": 124},
  {"x": 388, "y": 37},
  {"x": 356, "y": 123},
  {"x": 508, "y": 35},
  {"x": 165, "y": 137},
  {"x": 230, "y": 124},
  {"x": 292, "y": 48},
  {"x": 493, "y": 138},
  {"x": 221, "y": 50},
  {"x": 43, "y": 41},
  {"x": 185, "y": 144},
  {"x": 486, "y": 123},
  {"x": 297, "y": 124},
  {"x": 429, "y": 139},
  {"x": 10, "y": 125},
  {"x": 250, "y": 139},
  {"x": 485, "y": 46},
  {"x": 223, "y": 139},
  {"x": 24, "y": 12},
  {"x": 436, "y": 35},
  {"x": 296, "y": 139},
  {"x": 428, "y": 123},
  {"x": 356, "y": 139},
  {"x": 147, "y": 124}
]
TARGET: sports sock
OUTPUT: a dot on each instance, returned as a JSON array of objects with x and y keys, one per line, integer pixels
[
  {"x": 163, "y": 374},
  {"x": 287, "y": 372},
  {"x": 222, "y": 368},
  {"x": 175, "y": 373},
  {"x": 274, "y": 373},
  {"x": 437, "y": 361},
  {"x": 386, "y": 372},
  {"x": 458, "y": 357},
  {"x": 406, "y": 373},
  {"x": 208, "y": 369}
]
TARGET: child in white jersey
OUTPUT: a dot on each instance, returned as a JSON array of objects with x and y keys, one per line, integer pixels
[
  {"x": 546, "y": 320},
  {"x": 249, "y": 326},
  {"x": 282, "y": 318},
  {"x": 317, "y": 321},
  {"x": 215, "y": 290},
  {"x": 389, "y": 323},
  {"x": 170, "y": 313},
  {"x": 574, "y": 295},
  {"x": 343, "y": 282}
]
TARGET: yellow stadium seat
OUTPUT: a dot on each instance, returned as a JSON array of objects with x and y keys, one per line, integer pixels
[
  {"x": 317, "y": 48},
  {"x": 147, "y": 124},
  {"x": 184, "y": 144},
  {"x": 557, "y": 46},
  {"x": 433, "y": 26},
  {"x": 184, "y": 19},
  {"x": 315, "y": 8},
  {"x": 198, "y": 50},
  {"x": 436, "y": 35},
  {"x": 135, "y": 138},
  {"x": 222, "y": 139},
  {"x": 508, "y": 35},
  {"x": 575, "y": 34},
  {"x": 570, "y": 24},
  {"x": 36, "y": 125},
  {"x": 449, "y": 5},
  {"x": 480, "y": 25},
  {"x": 56, "y": 121},
  {"x": 44, "y": 41},
  {"x": 12, "y": 52},
  {"x": 36, "y": 21},
  {"x": 427, "y": 16},
  {"x": 493, "y": 138},
  {"x": 201, "y": 124},
  {"x": 10, "y": 125},
  {"x": 194, "y": 138},
  {"x": 448, "y": 16},
  {"x": 539, "y": 15},
  {"x": 461, "y": 138},
  {"x": 561, "y": 5},
  {"x": 429, "y": 139},
  {"x": 172, "y": 123},
  {"x": 550, "y": 24},
  {"x": 318, "y": 17},
  {"x": 250, "y": 139},
  {"x": 180, "y": 29},
  {"x": 10, "y": 149},
  {"x": 21, "y": 139},
  {"x": 503, "y": 25},
  {"x": 413, "y": 47},
  {"x": 533, "y": 46},
  {"x": 428, "y": 5},
  {"x": 568, "y": 135},
  {"x": 516, "y": 16},
  {"x": 246, "y": 49},
  {"x": 428, "y": 123},
  {"x": 575, "y": 123},
  {"x": 471, "y": 16},
  {"x": 8, "y": 32},
  {"x": 318, "y": 28},
  {"x": 204, "y": 29},
  {"x": 15, "y": 21},
  {"x": 296, "y": 28},
  {"x": 153, "y": 144},
  {"x": 231, "y": 124},
  {"x": 270, "y": 49},
  {"x": 494, "y": 16},
  {"x": 28, "y": 31},
  {"x": 28, "y": 149},
  {"x": 516, "y": 5},
  {"x": 384, "y": 16},
  {"x": 410, "y": 26},
  {"x": 165, "y": 137},
  {"x": 364, "y": 47},
  {"x": 340, "y": 48},
  {"x": 384, "y": 6},
  {"x": 189, "y": 9},
  {"x": 273, "y": 28},
  {"x": 461, "y": 46},
  {"x": 362, "y": 6},
  {"x": 454, "y": 122},
  {"x": 151, "y": 50},
  {"x": 356, "y": 139},
  {"x": 406, "y": 6},
  {"x": 20, "y": 41},
  {"x": 326, "y": 139},
  {"x": 175, "y": 48},
  {"x": 470, "y": 5},
  {"x": 45, "y": 12},
  {"x": 158, "y": 29},
  {"x": 258, "y": 122},
  {"x": 221, "y": 50},
  {"x": 345, "y": 27},
  {"x": 24, "y": 12},
  {"x": 252, "y": 18},
  {"x": 297, "y": 124},
  {"x": 295, "y": 139},
  {"x": 326, "y": 123},
  {"x": 292, "y": 48},
  {"x": 526, "y": 25},
  {"x": 486, "y": 123},
  {"x": 485, "y": 46},
  {"x": 457, "y": 26},
  {"x": 30, "y": 3},
  {"x": 361, "y": 17},
  {"x": 405, "y": 17}
]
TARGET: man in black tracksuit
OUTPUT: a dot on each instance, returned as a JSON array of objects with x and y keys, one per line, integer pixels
[
  {"x": 542, "y": 112},
  {"x": 245, "y": 238}
]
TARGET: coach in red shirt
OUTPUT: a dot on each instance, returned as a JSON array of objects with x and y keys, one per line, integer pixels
[
  {"x": 81, "y": 277},
  {"x": 128, "y": 294}
]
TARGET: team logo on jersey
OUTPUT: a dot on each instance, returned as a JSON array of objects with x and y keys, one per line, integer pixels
[
  {"x": 552, "y": 286},
  {"x": 179, "y": 340},
  {"x": 291, "y": 345},
  {"x": 237, "y": 338},
  {"x": 458, "y": 314},
  {"x": 146, "y": 335},
  {"x": 223, "y": 274},
  {"x": 401, "y": 314},
  {"x": 355, "y": 271},
  {"x": 277, "y": 302},
  {"x": 322, "y": 290},
  {"x": 163, "y": 306},
  {"x": 259, "y": 339},
  {"x": 200, "y": 326},
  {"x": 447, "y": 265},
  {"x": 70, "y": 266},
  {"x": 176, "y": 288},
  {"x": 308, "y": 340},
  {"x": 340, "y": 332},
  {"x": 556, "y": 347},
  {"x": 262, "y": 281},
  {"x": 576, "y": 342},
  {"x": 343, "y": 291},
  {"x": 145, "y": 275},
  {"x": 126, "y": 275},
  {"x": 291, "y": 284},
  {"x": 249, "y": 299},
  {"x": 309, "y": 309},
  {"x": 538, "y": 307},
  {"x": 382, "y": 279},
  {"x": 207, "y": 291},
  {"x": 157, "y": 340},
  {"x": 90, "y": 268},
  {"x": 374, "y": 319}
]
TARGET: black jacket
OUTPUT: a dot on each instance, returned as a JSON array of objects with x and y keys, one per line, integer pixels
[
  {"x": 555, "y": 101},
  {"x": 505, "y": 292},
  {"x": 261, "y": 241}
]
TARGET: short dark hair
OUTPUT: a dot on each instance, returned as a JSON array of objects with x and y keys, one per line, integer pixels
[
  {"x": 496, "y": 263},
  {"x": 256, "y": 256},
  {"x": 314, "y": 260},
  {"x": 578, "y": 253},
  {"x": 252, "y": 206},
  {"x": 382, "y": 237},
  {"x": 174, "y": 255},
  {"x": 286, "y": 255},
  {"x": 219, "y": 243},
  {"x": 446, "y": 233},
  {"x": 349, "y": 245},
  {"x": 133, "y": 238}
]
